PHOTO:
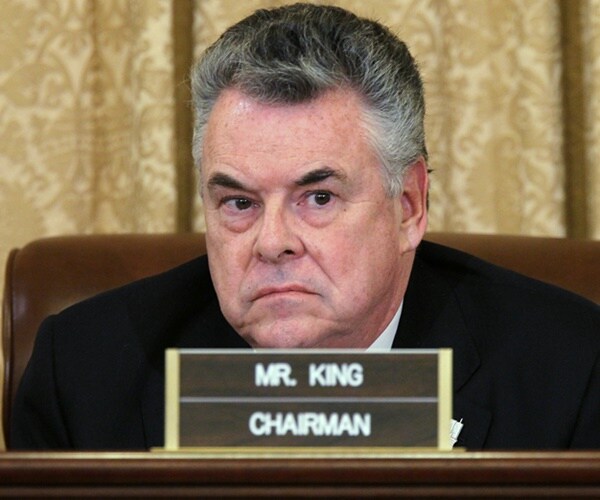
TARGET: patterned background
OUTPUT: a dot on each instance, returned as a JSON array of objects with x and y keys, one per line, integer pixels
[{"x": 89, "y": 114}]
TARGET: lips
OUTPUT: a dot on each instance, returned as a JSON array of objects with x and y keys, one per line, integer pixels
[{"x": 279, "y": 290}]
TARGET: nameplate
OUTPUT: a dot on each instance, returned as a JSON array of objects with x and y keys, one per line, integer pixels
[{"x": 308, "y": 399}]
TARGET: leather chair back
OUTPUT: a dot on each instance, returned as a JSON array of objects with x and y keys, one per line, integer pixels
[{"x": 50, "y": 274}]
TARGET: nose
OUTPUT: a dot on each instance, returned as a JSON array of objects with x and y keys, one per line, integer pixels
[{"x": 277, "y": 240}]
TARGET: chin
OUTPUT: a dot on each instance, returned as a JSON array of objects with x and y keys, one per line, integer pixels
[
  {"x": 284, "y": 336},
  {"x": 279, "y": 342}
]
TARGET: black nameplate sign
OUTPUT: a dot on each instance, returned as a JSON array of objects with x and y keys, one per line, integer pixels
[{"x": 308, "y": 398}]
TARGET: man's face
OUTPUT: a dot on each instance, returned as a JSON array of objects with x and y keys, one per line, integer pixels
[{"x": 305, "y": 248}]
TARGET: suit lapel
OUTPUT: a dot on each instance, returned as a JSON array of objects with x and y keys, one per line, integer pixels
[
  {"x": 207, "y": 331},
  {"x": 432, "y": 318},
  {"x": 181, "y": 312}
]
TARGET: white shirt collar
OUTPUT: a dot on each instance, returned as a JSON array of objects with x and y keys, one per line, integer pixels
[{"x": 386, "y": 338}]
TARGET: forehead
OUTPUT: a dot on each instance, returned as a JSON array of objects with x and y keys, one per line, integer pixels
[
  {"x": 247, "y": 134},
  {"x": 233, "y": 105}
]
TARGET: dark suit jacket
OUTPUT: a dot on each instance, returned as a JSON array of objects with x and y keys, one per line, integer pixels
[{"x": 526, "y": 357}]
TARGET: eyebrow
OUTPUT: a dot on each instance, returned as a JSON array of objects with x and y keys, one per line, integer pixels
[
  {"x": 224, "y": 180},
  {"x": 319, "y": 175},
  {"x": 313, "y": 177}
]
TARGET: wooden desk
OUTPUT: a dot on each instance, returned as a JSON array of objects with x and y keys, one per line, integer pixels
[{"x": 461, "y": 475}]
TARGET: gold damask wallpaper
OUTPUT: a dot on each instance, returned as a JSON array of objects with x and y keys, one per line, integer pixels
[
  {"x": 590, "y": 95},
  {"x": 89, "y": 114}
]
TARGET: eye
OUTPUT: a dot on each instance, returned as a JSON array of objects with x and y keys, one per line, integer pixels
[
  {"x": 238, "y": 203},
  {"x": 320, "y": 198}
]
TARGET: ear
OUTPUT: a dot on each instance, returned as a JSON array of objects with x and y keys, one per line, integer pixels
[{"x": 414, "y": 204}]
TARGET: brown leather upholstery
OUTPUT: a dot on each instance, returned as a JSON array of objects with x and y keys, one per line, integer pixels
[
  {"x": 50, "y": 274},
  {"x": 570, "y": 264}
]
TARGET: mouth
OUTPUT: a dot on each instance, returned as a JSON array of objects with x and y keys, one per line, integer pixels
[{"x": 280, "y": 290}]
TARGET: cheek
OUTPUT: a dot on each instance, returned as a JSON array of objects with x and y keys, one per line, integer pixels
[
  {"x": 336, "y": 258},
  {"x": 361, "y": 259},
  {"x": 220, "y": 259},
  {"x": 228, "y": 257}
]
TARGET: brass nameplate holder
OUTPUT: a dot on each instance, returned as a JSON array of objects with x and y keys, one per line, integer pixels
[{"x": 308, "y": 402}]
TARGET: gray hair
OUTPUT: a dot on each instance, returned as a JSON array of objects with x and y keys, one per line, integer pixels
[{"x": 294, "y": 53}]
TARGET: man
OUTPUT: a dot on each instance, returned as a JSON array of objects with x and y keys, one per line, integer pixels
[{"x": 309, "y": 140}]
